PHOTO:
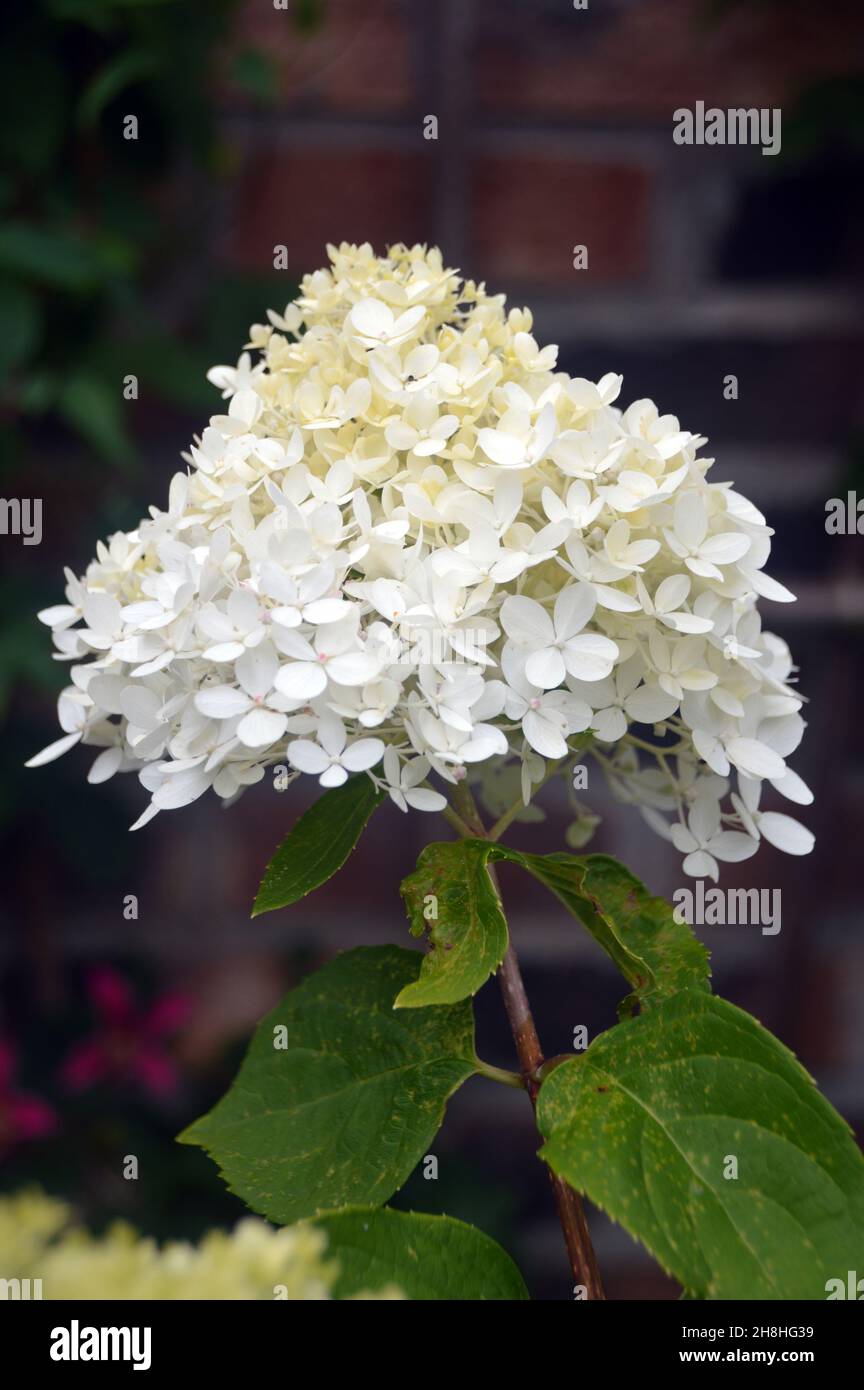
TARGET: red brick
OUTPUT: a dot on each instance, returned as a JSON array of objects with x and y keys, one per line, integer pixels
[
  {"x": 303, "y": 198},
  {"x": 358, "y": 59},
  {"x": 528, "y": 214},
  {"x": 649, "y": 57}
]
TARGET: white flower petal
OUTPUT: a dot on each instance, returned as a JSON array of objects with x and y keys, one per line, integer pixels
[
  {"x": 682, "y": 839},
  {"x": 362, "y": 754},
  {"x": 610, "y": 724},
  {"x": 307, "y": 756},
  {"x": 543, "y": 735},
  {"x": 501, "y": 448},
  {"x": 335, "y": 776},
  {"x": 785, "y": 833},
  {"x": 589, "y": 657},
  {"x": 691, "y": 521},
  {"x": 353, "y": 668},
  {"x": 793, "y": 787},
  {"x": 222, "y": 702},
  {"x": 545, "y": 668},
  {"x": 573, "y": 609},
  {"x": 671, "y": 593},
  {"x": 704, "y": 818},
  {"x": 755, "y": 758},
  {"x": 261, "y": 727},
  {"x": 54, "y": 750},
  {"x": 424, "y": 799},
  {"x": 526, "y": 622},
  {"x": 650, "y": 705},
  {"x": 301, "y": 680},
  {"x": 731, "y": 846},
  {"x": 327, "y": 610},
  {"x": 701, "y": 865},
  {"x": 725, "y": 549}
]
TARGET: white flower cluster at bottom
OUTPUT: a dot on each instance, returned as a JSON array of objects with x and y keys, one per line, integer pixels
[{"x": 254, "y": 1261}]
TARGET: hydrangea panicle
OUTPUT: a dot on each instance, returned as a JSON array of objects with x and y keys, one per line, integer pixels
[
  {"x": 408, "y": 545},
  {"x": 39, "y": 1238}
]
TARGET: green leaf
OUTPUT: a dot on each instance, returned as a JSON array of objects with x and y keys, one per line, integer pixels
[
  {"x": 121, "y": 71},
  {"x": 318, "y": 844},
  {"x": 37, "y": 391},
  {"x": 22, "y": 321},
  {"x": 257, "y": 72},
  {"x": 658, "y": 955},
  {"x": 427, "y": 1257},
  {"x": 468, "y": 934},
  {"x": 342, "y": 1113},
  {"x": 50, "y": 257},
  {"x": 29, "y": 66},
  {"x": 308, "y": 15},
  {"x": 647, "y": 1121},
  {"x": 166, "y": 369},
  {"x": 226, "y": 316},
  {"x": 95, "y": 411}
]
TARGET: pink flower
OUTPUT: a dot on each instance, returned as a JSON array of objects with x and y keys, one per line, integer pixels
[
  {"x": 127, "y": 1045},
  {"x": 23, "y": 1116}
]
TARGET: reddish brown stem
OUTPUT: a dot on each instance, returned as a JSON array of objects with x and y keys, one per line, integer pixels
[{"x": 571, "y": 1213}]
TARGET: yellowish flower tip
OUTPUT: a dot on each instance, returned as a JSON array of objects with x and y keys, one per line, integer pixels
[{"x": 254, "y": 1261}]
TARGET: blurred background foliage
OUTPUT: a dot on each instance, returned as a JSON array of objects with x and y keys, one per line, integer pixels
[
  {"x": 94, "y": 223},
  {"x": 104, "y": 270}
]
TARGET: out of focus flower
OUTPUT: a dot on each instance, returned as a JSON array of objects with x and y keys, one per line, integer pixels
[
  {"x": 128, "y": 1045},
  {"x": 254, "y": 1261}
]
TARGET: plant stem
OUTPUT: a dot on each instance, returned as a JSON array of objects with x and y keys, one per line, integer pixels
[
  {"x": 501, "y": 1075},
  {"x": 457, "y": 823},
  {"x": 571, "y": 1214}
]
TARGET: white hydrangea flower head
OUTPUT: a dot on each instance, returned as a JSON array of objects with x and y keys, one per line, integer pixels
[
  {"x": 412, "y": 546},
  {"x": 255, "y": 1261}
]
